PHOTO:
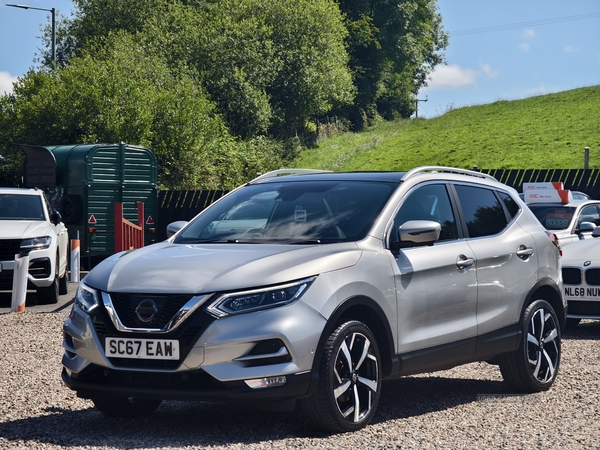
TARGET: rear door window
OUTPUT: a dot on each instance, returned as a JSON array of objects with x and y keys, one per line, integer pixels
[{"x": 483, "y": 212}]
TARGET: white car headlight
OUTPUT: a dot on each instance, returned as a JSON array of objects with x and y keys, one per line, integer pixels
[
  {"x": 86, "y": 298},
  {"x": 39, "y": 243},
  {"x": 256, "y": 299}
]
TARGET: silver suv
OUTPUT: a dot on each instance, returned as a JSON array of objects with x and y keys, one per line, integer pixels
[{"x": 312, "y": 287}]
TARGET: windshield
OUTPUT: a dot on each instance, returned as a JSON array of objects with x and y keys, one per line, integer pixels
[
  {"x": 553, "y": 217},
  {"x": 21, "y": 207},
  {"x": 292, "y": 212}
]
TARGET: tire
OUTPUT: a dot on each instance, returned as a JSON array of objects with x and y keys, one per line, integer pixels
[
  {"x": 126, "y": 406},
  {"x": 63, "y": 286},
  {"x": 572, "y": 323},
  {"x": 49, "y": 295},
  {"x": 70, "y": 209},
  {"x": 534, "y": 365},
  {"x": 349, "y": 381}
]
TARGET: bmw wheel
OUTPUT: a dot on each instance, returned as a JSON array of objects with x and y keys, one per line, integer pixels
[
  {"x": 349, "y": 380},
  {"x": 534, "y": 365},
  {"x": 126, "y": 406}
]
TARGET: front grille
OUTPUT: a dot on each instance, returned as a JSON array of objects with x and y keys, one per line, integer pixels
[
  {"x": 9, "y": 248},
  {"x": 592, "y": 277},
  {"x": 197, "y": 379},
  {"x": 187, "y": 333},
  {"x": 168, "y": 305},
  {"x": 136, "y": 363},
  {"x": 571, "y": 275},
  {"x": 580, "y": 308}
]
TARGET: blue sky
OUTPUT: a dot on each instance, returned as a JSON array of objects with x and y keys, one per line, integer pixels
[
  {"x": 542, "y": 46},
  {"x": 538, "y": 47}
]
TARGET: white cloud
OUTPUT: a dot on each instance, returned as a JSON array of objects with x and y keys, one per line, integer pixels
[
  {"x": 451, "y": 76},
  {"x": 528, "y": 35},
  {"x": 488, "y": 71},
  {"x": 571, "y": 49},
  {"x": 6, "y": 83},
  {"x": 524, "y": 47}
]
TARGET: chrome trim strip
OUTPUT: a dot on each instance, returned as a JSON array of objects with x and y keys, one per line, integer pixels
[{"x": 192, "y": 305}]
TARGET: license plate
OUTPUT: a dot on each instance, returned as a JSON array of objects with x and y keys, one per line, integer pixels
[{"x": 141, "y": 348}]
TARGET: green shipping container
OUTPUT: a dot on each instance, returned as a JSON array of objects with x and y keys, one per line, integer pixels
[{"x": 84, "y": 181}]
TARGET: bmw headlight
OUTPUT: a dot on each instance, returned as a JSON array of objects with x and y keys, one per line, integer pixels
[
  {"x": 86, "y": 298},
  {"x": 38, "y": 243},
  {"x": 256, "y": 299}
]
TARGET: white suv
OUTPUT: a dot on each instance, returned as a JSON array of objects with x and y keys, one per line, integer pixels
[
  {"x": 28, "y": 225},
  {"x": 313, "y": 287}
]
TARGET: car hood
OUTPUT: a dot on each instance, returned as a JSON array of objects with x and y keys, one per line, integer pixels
[
  {"x": 204, "y": 268},
  {"x": 576, "y": 253},
  {"x": 22, "y": 229}
]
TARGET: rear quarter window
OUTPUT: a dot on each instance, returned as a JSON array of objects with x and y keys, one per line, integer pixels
[{"x": 511, "y": 206}]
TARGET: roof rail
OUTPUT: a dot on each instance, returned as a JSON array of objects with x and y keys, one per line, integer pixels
[
  {"x": 276, "y": 173},
  {"x": 443, "y": 169}
]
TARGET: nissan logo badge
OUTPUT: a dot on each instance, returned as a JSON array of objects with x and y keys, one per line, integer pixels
[{"x": 146, "y": 310}]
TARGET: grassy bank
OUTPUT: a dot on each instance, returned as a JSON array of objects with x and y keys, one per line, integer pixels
[{"x": 547, "y": 131}]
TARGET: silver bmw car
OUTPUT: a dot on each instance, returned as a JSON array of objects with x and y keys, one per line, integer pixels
[{"x": 309, "y": 288}]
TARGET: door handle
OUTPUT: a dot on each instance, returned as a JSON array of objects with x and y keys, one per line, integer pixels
[
  {"x": 524, "y": 252},
  {"x": 463, "y": 262}
]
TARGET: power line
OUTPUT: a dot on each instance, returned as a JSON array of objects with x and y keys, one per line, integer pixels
[{"x": 512, "y": 26}]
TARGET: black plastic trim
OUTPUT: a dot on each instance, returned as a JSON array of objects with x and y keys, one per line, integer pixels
[
  {"x": 465, "y": 351},
  {"x": 295, "y": 387}
]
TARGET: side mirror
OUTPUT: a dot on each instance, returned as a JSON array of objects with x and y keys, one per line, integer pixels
[
  {"x": 174, "y": 227},
  {"x": 55, "y": 217},
  {"x": 586, "y": 226},
  {"x": 416, "y": 233}
]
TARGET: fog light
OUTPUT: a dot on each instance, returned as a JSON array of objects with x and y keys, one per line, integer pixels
[{"x": 261, "y": 383}]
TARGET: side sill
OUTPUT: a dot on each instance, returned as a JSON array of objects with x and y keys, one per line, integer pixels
[{"x": 446, "y": 356}]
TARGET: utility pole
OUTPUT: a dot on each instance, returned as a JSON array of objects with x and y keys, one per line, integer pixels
[{"x": 417, "y": 105}]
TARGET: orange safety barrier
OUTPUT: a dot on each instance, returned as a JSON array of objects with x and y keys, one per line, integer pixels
[{"x": 128, "y": 236}]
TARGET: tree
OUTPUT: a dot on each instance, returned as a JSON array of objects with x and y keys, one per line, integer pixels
[
  {"x": 119, "y": 93},
  {"x": 269, "y": 65},
  {"x": 393, "y": 46}
]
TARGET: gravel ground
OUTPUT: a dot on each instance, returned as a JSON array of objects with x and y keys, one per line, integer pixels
[{"x": 464, "y": 408}]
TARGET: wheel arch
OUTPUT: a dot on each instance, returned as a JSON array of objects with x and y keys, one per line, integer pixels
[
  {"x": 547, "y": 289},
  {"x": 367, "y": 311}
]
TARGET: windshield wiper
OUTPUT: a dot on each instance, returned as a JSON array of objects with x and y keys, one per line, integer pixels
[
  {"x": 305, "y": 242},
  {"x": 208, "y": 241}
]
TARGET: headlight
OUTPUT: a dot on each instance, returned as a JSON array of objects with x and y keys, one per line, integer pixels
[
  {"x": 38, "y": 243},
  {"x": 256, "y": 299},
  {"x": 86, "y": 298}
]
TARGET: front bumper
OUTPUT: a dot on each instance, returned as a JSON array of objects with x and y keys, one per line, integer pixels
[
  {"x": 194, "y": 385},
  {"x": 214, "y": 359},
  {"x": 583, "y": 300},
  {"x": 583, "y": 308},
  {"x": 40, "y": 273}
]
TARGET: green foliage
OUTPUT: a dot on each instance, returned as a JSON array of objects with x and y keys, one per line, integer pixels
[
  {"x": 269, "y": 65},
  {"x": 220, "y": 89},
  {"x": 118, "y": 93},
  {"x": 394, "y": 45},
  {"x": 543, "y": 132}
]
